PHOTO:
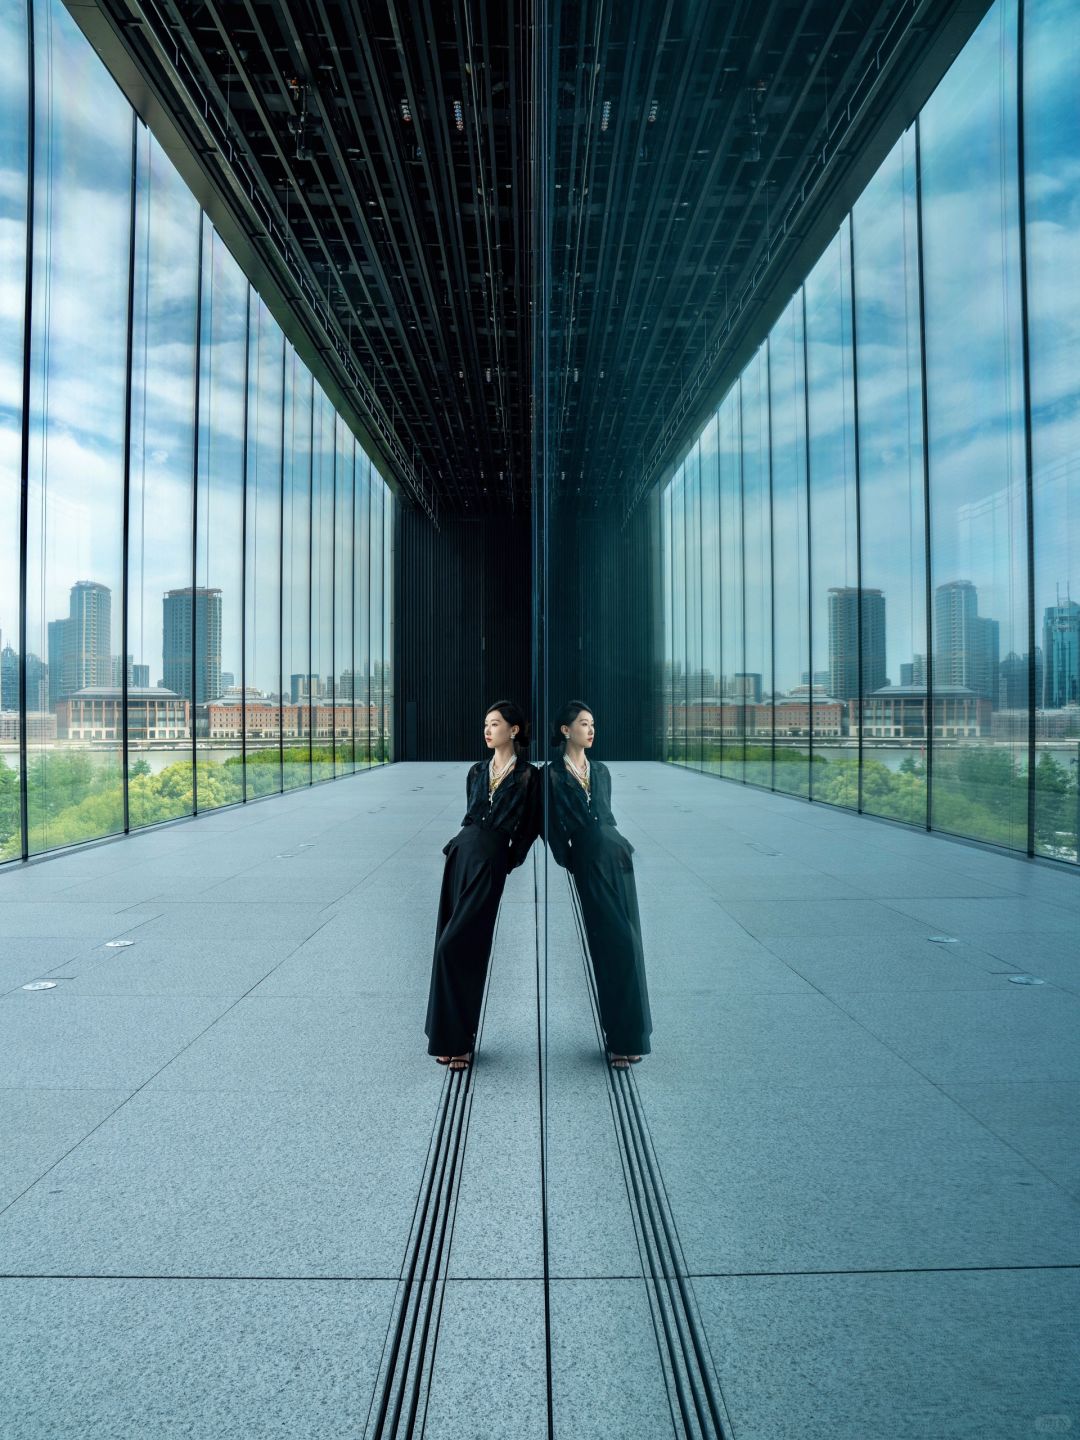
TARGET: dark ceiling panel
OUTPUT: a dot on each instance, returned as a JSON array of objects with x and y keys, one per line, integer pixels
[{"x": 378, "y": 158}]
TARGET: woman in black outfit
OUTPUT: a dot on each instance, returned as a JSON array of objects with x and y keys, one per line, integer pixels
[
  {"x": 582, "y": 837},
  {"x": 500, "y": 825}
]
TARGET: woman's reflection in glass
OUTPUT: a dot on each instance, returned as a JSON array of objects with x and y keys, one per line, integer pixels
[{"x": 583, "y": 838}]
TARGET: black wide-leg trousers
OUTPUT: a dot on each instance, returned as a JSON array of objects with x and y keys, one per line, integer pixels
[
  {"x": 604, "y": 879},
  {"x": 472, "y": 886}
]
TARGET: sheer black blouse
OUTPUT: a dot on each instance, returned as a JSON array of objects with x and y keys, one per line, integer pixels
[
  {"x": 515, "y": 808},
  {"x": 578, "y": 825}
]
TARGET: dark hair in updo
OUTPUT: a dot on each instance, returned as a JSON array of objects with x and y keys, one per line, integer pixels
[
  {"x": 566, "y": 716},
  {"x": 513, "y": 715}
]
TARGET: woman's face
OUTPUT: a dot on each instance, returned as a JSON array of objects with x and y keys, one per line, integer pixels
[
  {"x": 496, "y": 730},
  {"x": 582, "y": 731}
]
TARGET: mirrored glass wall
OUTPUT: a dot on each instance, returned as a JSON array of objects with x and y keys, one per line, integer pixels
[
  {"x": 870, "y": 588},
  {"x": 196, "y": 553}
]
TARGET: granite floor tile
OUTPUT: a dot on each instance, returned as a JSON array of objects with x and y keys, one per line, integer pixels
[
  {"x": 39, "y": 1127},
  {"x": 953, "y": 1356},
  {"x": 52, "y": 1039},
  {"x": 490, "y": 1372},
  {"x": 1014, "y": 1032},
  {"x": 606, "y": 1373},
  {"x": 988, "y": 914},
  {"x": 765, "y": 918},
  {"x": 1040, "y": 1120},
  {"x": 715, "y": 1039},
  {"x": 281, "y": 1184},
  {"x": 116, "y": 1359},
  {"x": 791, "y": 1178},
  {"x": 323, "y": 1042}
]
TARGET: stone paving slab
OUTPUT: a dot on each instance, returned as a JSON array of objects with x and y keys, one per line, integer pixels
[
  {"x": 118, "y": 1359},
  {"x": 953, "y": 1355},
  {"x": 490, "y": 1373},
  {"x": 234, "y": 1183}
]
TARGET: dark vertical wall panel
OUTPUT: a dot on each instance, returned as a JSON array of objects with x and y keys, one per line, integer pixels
[
  {"x": 464, "y": 595},
  {"x": 601, "y": 629}
]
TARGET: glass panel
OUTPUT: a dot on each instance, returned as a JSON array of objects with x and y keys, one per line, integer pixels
[
  {"x": 667, "y": 691},
  {"x": 13, "y": 194},
  {"x": 387, "y": 639},
  {"x": 692, "y": 526},
  {"x": 160, "y": 698},
  {"x": 262, "y": 571},
  {"x": 731, "y": 587},
  {"x": 790, "y": 552},
  {"x": 711, "y": 668},
  {"x": 892, "y": 496},
  {"x": 756, "y": 677},
  {"x": 76, "y": 461},
  {"x": 363, "y": 608},
  {"x": 344, "y": 754},
  {"x": 678, "y": 616},
  {"x": 834, "y": 679},
  {"x": 296, "y": 573},
  {"x": 1051, "y": 125},
  {"x": 975, "y": 420},
  {"x": 376, "y": 628},
  {"x": 219, "y": 530},
  {"x": 322, "y": 590}
]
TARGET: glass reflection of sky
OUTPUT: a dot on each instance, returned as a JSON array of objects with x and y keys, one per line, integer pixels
[
  {"x": 869, "y": 394},
  {"x": 789, "y": 505},
  {"x": 266, "y": 357},
  {"x": 892, "y": 522},
  {"x": 79, "y": 341},
  {"x": 13, "y": 96},
  {"x": 162, "y": 395},
  {"x": 974, "y": 361},
  {"x": 831, "y": 440},
  {"x": 974, "y": 351},
  {"x": 1052, "y": 174}
]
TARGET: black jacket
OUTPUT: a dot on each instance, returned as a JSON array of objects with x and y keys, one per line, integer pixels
[
  {"x": 514, "y": 809},
  {"x": 578, "y": 826}
]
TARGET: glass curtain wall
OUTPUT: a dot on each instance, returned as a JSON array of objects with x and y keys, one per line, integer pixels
[
  {"x": 321, "y": 679},
  {"x": 884, "y": 631},
  {"x": 344, "y": 754},
  {"x": 1051, "y": 114},
  {"x": 262, "y": 701},
  {"x": 160, "y": 521},
  {"x": 362, "y": 606},
  {"x": 14, "y": 161},
  {"x": 74, "y": 559},
  {"x": 155, "y": 401}
]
